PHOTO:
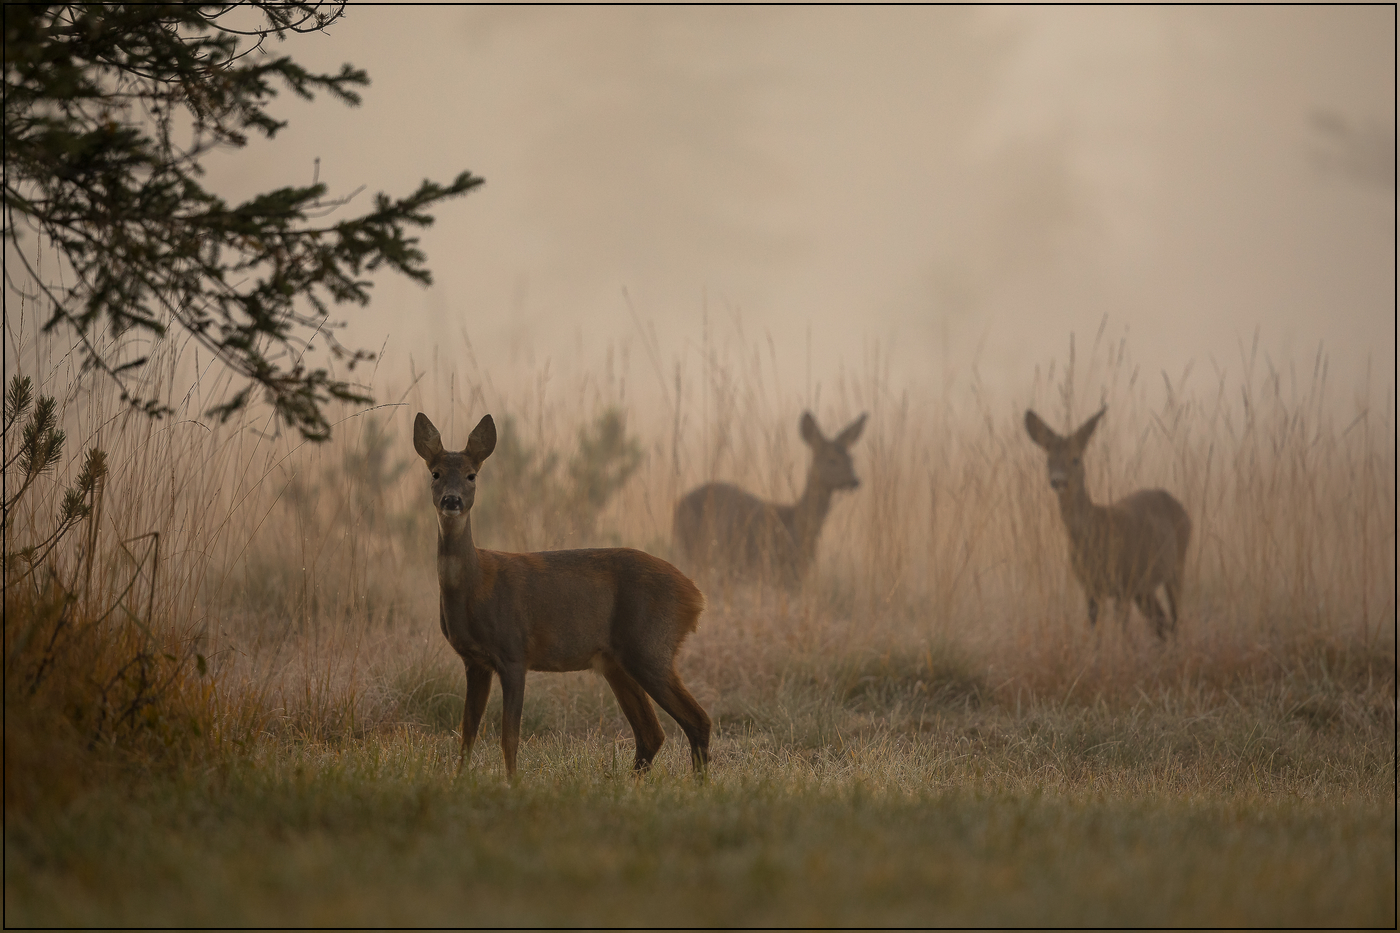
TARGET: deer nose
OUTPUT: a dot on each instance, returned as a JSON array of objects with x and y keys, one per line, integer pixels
[
  {"x": 451, "y": 504},
  {"x": 1058, "y": 482}
]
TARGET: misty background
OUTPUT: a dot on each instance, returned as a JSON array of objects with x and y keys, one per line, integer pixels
[{"x": 950, "y": 191}]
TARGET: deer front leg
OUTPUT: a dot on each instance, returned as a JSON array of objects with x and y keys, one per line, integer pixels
[
  {"x": 512, "y": 706},
  {"x": 1093, "y": 612},
  {"x": 478, "y": 691}
]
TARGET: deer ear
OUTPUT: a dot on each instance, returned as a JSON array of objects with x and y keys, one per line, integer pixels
[
  {"x": 483, "y": 440},
  {"x": 426, "y": 439},
  {"x": 1040, "y": 431},
  {"x": 851, "y": 432},
  {"x": 1080, "y": 438},
  {"x": 808, "y": 426}
]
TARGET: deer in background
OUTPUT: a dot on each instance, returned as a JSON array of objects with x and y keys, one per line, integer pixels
[
  {"x": 721, "y": 527},
  {"x": 1122, "y": 551},
  {"x": 621, "y": 612}
]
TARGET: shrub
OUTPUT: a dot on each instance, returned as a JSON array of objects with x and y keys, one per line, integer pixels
[{"x": 85, "y": 668}]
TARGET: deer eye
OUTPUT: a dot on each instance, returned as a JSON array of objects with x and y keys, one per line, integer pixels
[
  {"x": 437, "y": 475},
  {"x": 471, "y": 477}
]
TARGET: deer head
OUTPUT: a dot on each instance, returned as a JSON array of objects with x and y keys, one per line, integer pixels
[
  {"x": 454, "y": 473},
  {"x": 1064, "y": 456}
]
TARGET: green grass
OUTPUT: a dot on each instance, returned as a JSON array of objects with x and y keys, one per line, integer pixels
[{"x": 1168, "y": 811}]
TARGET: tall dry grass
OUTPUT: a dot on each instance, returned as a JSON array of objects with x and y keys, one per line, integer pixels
[{"x": 293, "y": 595}]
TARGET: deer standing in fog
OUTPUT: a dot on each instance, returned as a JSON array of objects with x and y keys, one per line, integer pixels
[
  {"x": 722, "y": 527},
  {"x": 621, "y": 612},
  {"x": 1122, "y": 551}
]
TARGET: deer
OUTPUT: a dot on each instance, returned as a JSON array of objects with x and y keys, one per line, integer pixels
[
  {"x": 1123, "y": 551},
  {"x": 721, "y": 527},
  {"x": 621, "y": 612}
]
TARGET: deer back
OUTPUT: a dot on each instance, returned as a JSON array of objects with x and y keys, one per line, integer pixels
[
  {"x": 721, "y": 526},
  {"x": 557, "y": 610},
  {"x": 1152, "y": 531}
]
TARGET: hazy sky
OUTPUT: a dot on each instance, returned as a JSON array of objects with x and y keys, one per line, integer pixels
[{"x": 948, "y": 184}]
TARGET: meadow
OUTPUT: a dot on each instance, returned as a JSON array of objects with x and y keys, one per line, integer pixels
[{"x": 227, "y": 700}]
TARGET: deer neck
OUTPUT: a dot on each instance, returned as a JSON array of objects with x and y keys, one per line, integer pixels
[
  {"x": 809, "y": 512},
  {"x": 1083, "y": 519},
  {"x": 459, "y": 565}
]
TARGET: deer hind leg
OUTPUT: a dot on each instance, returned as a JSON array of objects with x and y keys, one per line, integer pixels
[
  {"x": 1173, "y": 588},
  {"x": 670, "y": 694},
  {"x": 646, "y": 728},
  {"x": 1152, "y": 609},
  {"x": 1124, "y": 607},
  {"x": 478, "y": 690}
]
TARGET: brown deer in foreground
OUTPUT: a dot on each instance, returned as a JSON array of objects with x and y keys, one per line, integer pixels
[
  {"x": 1122, "y": 551},
  {"x": 721, "y": 527},
  {"x": 621, "y": 612}
]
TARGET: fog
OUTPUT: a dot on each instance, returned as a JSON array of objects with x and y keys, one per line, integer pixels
[{"x": 955, "y": 191}]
